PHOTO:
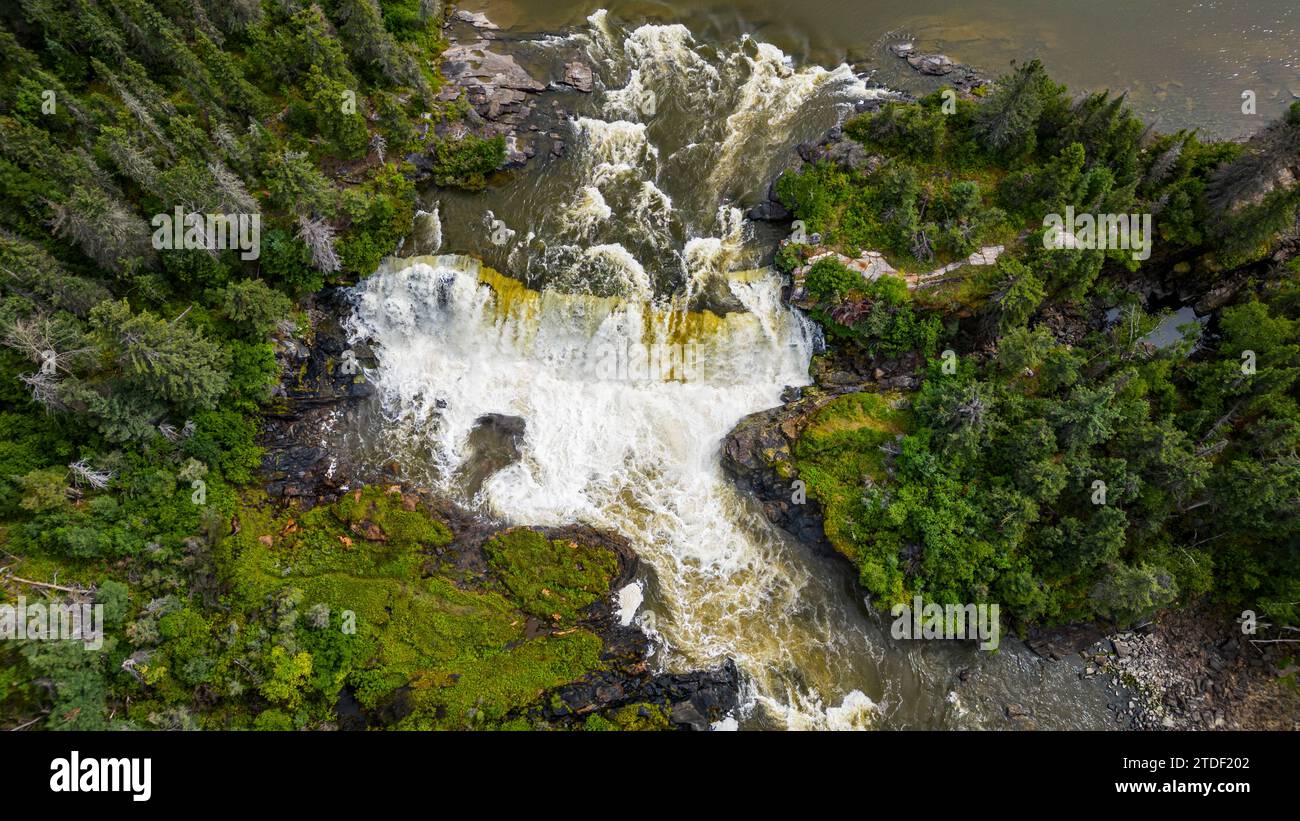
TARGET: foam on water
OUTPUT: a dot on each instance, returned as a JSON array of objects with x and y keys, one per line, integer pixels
[
  {"x": 661, "y": 92},
  {"x": 627, "y": 395},
  {"x": 625, "y": 403}
]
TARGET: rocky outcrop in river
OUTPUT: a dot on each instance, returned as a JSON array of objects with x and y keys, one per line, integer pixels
[{"x": 503, "y": 98}]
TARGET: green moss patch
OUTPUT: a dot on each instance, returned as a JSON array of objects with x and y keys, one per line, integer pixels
[
  {"x": 553, "y": 579},
  {"x": 840, "y": 450},
  {"x": 462, "y": 656}
]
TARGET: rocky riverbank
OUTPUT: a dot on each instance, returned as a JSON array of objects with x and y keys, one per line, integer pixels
[
  {"x": 1194, "y": 669},
  {"x": 505, "y": 89},
  {"x": 757, "y": 454}
]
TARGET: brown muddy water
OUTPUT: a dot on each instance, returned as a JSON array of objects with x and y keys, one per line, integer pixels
[
  {"x": 591, "y": 333},
  {"x": 1184, "y": 63}
]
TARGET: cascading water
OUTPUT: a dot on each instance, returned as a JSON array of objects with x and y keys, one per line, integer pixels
[
  {"x": 626, "y": 402},
  {"x": 627, "y": 388}
]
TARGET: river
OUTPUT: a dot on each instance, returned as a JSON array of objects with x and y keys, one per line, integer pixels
[
  {"x": 1183, "y": 63},
  {"x": 598, "y": 341}
]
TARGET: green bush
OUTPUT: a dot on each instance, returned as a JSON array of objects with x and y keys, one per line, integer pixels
[{"x": 828, "y": 279}]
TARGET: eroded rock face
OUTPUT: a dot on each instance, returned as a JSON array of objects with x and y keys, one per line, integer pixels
[
  {"x": 502, "y": 94},
  {"x": 579, "y": 75},
  {"x": 477, "y": 19},
  {"x": 847, "y": 153},
  {"x": 506, "y": 99},
  {"x": 319, "y": 375},
  {"x": 769, "y": 211},
  {"x": 685, "y": 701},
  {"x": 475, "y": 64},
  {"x": 756, "y": 455}
]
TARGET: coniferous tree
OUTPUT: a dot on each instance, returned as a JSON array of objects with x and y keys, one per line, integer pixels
[
  {"x": 103, "y": 228},
  {"x": 1008, "y": 119},
  {"x": 162, "y": 360}
]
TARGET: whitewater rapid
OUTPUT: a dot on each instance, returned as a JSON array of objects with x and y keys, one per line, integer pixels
[
  {"x": 626, "y": 388},
  {"x": 632, "y": 326},
  {"x": 626, "y": 403}
]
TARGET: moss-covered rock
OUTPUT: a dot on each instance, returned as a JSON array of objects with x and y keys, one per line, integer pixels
[
  {"x": 552, "y": 579},
  {"x": 439, "y": 629}
]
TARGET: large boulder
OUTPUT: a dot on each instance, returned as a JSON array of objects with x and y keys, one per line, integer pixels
[
  {"x": 475, "y": 64},
  {"x": 578, "y": 74},
  {"x": 933, "y": 64}
]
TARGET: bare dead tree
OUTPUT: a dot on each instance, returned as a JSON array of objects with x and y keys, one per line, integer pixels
[
  {"x": 45, "y": 389},
  {"x": 319, "y": 238},
  {"x": 105, "y": 229},
  {"x": 230, "y": 189},
  {"x": 1165, "y": 163},
  {"x": 41, "y": 341},
  {"x": 226, "y": 140},
  {"x": 83, "y": 472}
]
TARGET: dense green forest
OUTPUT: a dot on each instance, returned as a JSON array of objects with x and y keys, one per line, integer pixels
[
  {"x": 134, "y": 374},
  {"x": 1070, "y": 477}
]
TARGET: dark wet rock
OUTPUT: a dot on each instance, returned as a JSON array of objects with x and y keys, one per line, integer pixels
[
  {"x": 872, "y": 105},
  {"x": 1062, "y": 642},
  {"x": 716, "y": 296},
  {"x": 512, "y": 427},
  {"x": 519, "y": 150},
  {"x": 351, "y": 715},
  {"x": 963, "y": 79},
  {"x": 694, "y": 701},
  {"x": 845, "y": 152},
  {"x": 757, "y": 457},
  {"x": 320, "y": 375},
  {"x": 769, "y": 212},
  {"x": 494, "y": 443},
  {"x": 425, "y": 236},
  {"x": 1221, "y": 295}
]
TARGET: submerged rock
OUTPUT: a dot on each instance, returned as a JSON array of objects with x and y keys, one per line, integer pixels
[{"x": 494, "y": 444}]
